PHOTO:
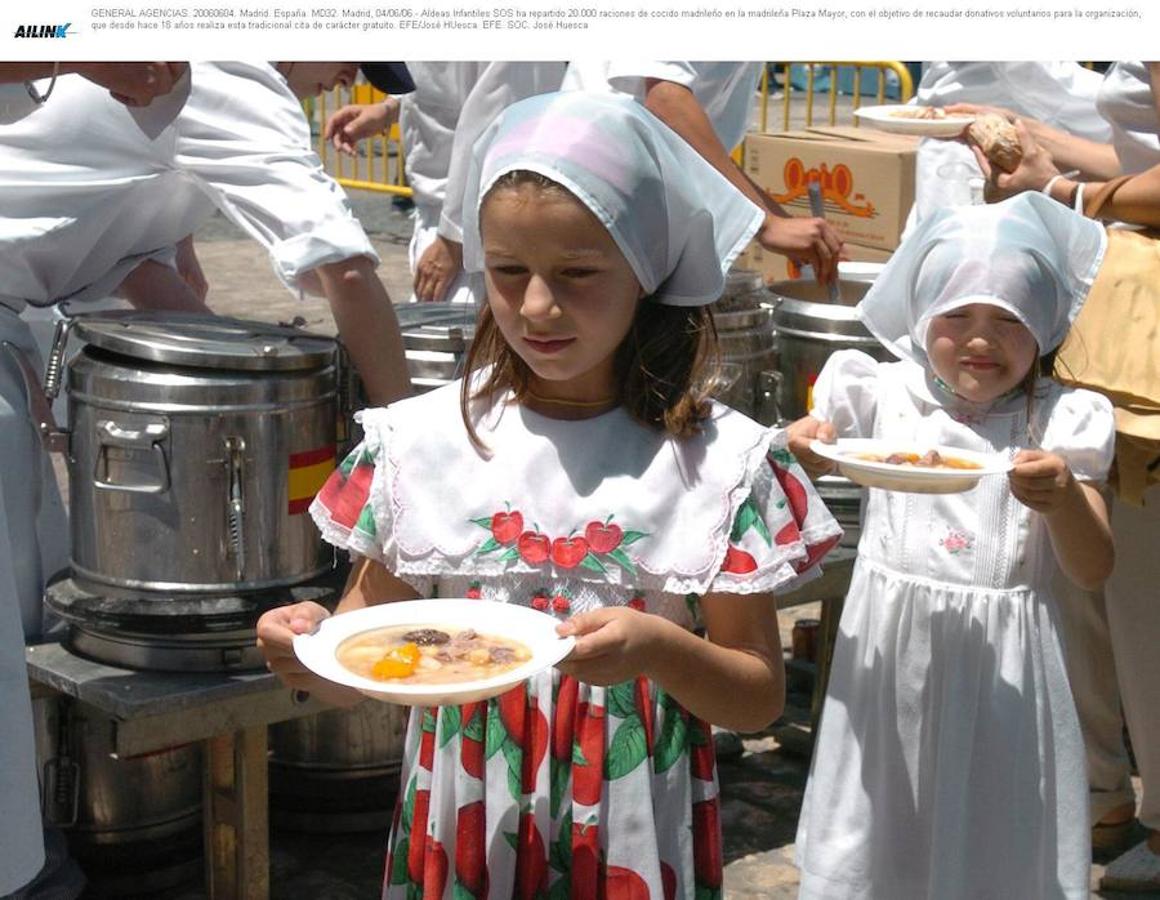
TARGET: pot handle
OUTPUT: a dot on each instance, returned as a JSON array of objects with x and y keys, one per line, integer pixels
[
  {"x": 54, "y": 439},
  {"x": 769, "y": 387},
  {"x": 148, "y": 437},
  {"x": 236, "y": 502}
]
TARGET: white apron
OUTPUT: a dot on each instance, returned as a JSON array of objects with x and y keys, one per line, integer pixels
[{"x": 33, "y": 545}]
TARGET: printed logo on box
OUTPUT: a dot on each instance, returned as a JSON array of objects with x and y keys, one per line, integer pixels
[{"x": 837, "y": 188}]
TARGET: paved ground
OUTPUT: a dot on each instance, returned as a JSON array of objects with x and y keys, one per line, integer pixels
[{"x": 762, "y": 789}]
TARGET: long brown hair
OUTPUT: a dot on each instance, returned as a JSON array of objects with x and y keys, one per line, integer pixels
[{"x": 665, "y": 366}]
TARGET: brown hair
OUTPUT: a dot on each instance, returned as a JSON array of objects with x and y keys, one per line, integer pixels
[{"x": 665, "y": 366}]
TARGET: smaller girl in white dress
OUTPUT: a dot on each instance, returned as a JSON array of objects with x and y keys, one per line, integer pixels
[
  {"x": 580, "y": 469},
  {"x": 949, "y": 761}
]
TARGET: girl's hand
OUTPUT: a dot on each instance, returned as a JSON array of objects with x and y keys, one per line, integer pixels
[
  {"x": 612, "y": 644},
  {"x": 800, "y": 433},
  {"x": 1041, "y": 481},
  {"x": 276, "y": 632},
  {"x": 1032, "y": 174}
]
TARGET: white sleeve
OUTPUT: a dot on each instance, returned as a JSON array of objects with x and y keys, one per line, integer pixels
[
  {"x": 499, "y": 86},
  {"x": 1081, "y": 428},
  {"x": 249, "y": 149},
  {"x": 846, "y": 393}
]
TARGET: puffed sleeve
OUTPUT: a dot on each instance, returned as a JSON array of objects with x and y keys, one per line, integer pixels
[
  {"x": 1081, "y": 428},
  {"x": 780, "y": 531},
  {"x": 845, "y": 393},
  {"x": 354, "y": 508}
]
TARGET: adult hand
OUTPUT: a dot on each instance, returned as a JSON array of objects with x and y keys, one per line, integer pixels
[
  {"x": 811, "y": 242},
  {"x": 356, "y": 122},
  {"x": 134, "y": 84},
  {"x": 1041, "y": 481},
  {"x": 437, "y": 268},
  {"x": 612, "y": 644},
  {"x": 189, "y": 268},
  {"x": 277, "y": 629},
  {"x": 800, "y": 433},
  {"x": 1032, "y": 174}
]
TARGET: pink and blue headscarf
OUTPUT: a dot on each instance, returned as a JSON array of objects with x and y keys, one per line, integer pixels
[{"x": 677, "y": 220}]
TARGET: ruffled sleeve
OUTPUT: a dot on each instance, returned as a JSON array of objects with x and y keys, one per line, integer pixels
[
  {"x": 354, "y": 508},
  {"x": 1081, "y": 428},
  {"x": 845, "y": 393},
  {"x": 780, "y": 531}
]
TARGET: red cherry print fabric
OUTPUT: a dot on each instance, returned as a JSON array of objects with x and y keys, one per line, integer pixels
[{"x": 538, "y": 794}]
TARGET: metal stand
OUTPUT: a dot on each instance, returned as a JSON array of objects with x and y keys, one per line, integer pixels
[{"x": 227, "y": 712}]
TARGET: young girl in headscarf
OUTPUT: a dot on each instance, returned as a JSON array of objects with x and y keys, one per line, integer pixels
[
  {"x": 581, "y": 469},
  {"x": 949, "y": 761}
]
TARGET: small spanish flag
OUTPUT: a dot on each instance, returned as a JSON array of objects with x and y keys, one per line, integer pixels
[{"x": 306, "y": 474}]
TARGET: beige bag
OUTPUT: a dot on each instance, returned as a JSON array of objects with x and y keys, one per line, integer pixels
[{"x": 1114, "y": 348}]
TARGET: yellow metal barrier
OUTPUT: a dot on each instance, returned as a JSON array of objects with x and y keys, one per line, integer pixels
[
  {"x": 379, "y": 165},
  {"x": 883, "y": 69}
]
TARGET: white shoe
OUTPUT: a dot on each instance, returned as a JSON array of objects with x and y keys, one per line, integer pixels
[{"x": 1136, "y": 871}]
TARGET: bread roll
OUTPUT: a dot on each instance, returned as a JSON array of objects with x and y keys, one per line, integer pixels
[{"x": 998, "y": 140}]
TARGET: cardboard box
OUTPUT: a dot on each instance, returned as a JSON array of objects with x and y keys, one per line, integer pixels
[
  {"x": 775, "y": 267},
  {"x": 866, "y": 176}
]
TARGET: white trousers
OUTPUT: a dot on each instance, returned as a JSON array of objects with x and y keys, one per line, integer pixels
[
  {"x": 1112, "y": 650},
  {"x": 467, "y": 287},
  {"x": 33, "y": 544}
]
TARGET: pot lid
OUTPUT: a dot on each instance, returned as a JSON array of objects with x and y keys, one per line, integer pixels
[{"x": 217, "y": 342}]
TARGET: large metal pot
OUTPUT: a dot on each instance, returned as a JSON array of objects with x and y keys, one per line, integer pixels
[
  {"x": 337, "y": 770},
  {"x": 436, "y": 337},
  {"x": 196, "y": 444},
  {"x": 134, "y": 824},
  {"x": 809, "y": 329},
  {"x": 745, "y": 337}
]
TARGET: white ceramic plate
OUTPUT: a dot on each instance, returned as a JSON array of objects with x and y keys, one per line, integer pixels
[
  {"x": 884, "y": 119},
  {"x": 536, "y": 630},
  {"x": 912, "y": 479}
]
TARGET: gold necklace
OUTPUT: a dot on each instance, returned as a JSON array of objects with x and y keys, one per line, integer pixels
[{"x": 577, "y": 404}]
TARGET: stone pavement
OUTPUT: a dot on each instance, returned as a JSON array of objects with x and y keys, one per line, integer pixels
[{"x": 761, "y": 790}]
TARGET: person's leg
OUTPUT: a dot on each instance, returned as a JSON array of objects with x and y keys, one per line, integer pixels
[
  {"x": 21, "y": 842},
  {"x": 1133, "y": 594},
  {"x": 1091, "y": 670}
]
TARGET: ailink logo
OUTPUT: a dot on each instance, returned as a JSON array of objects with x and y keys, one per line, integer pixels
[{"x": 42, "y": 31}]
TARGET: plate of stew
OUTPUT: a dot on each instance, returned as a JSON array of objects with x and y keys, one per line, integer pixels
[
  {"x": 928, "y": 469},
  {"x": 439, "y": 652}
]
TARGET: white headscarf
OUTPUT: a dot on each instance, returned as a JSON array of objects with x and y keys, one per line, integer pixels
[
  {"x": 1028, "y": 255},
  {"x": 678, "y": 222}
]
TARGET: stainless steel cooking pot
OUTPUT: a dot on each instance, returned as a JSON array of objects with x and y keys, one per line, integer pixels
[
  {"x": 436, "y": 338},
  {"x": 809, "y": 328},
  {"x": 196, "y": 444}
]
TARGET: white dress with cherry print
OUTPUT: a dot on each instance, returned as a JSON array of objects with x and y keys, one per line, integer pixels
[
  {"x": 949, "y": 760},
  {"x": 558, "y": 788}
]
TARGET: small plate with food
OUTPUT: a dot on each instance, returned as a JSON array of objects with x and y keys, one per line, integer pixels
[
  {"x": 893, "y": 466},
  {"x": 906, "y": 118},
  {"x": 438, "y": 652}
]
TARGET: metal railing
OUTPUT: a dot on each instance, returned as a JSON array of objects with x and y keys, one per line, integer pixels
[
  {"x": 379, "y": 165},
  {"x": 883, "y": 71}
]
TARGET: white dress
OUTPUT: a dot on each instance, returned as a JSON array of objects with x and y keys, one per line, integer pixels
[
  {"x": 559, "y": 788},
  {"x": 949, "y": 762}
]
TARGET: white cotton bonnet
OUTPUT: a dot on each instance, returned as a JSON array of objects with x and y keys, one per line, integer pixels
[
  {"x": 677, "y": 220},
  {"x": 1028, "y": 255}
]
